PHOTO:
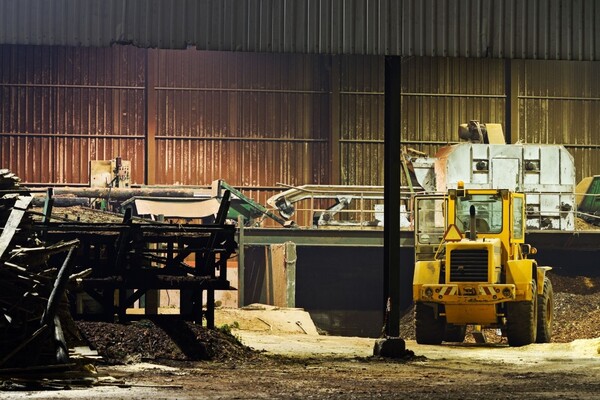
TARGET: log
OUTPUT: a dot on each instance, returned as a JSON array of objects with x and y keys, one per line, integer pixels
[{"x": 127, "y": 193}]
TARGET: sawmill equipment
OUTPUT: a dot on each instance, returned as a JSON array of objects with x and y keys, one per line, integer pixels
[
  {"x": 588, "y": 199},
  {"x": 545, "y": 173}
]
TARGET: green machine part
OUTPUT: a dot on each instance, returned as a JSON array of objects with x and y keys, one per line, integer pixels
[
  {"x": 244, "y": 206},
  {"x": 588, "y": 198}
]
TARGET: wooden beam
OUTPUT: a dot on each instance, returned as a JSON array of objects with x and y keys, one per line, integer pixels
[{"x": 13, "y": 222}]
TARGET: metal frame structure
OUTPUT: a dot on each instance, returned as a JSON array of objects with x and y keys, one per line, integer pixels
[{"x": 120, "y": 262}]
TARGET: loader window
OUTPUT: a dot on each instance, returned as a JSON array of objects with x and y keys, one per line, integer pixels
[
  {"x": 517, "y": 218},
  {"x": 430, "y": 220},
  {"x": 488, "y": 213}
]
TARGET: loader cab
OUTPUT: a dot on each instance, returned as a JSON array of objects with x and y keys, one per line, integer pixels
[
  {"x": 430, "y": 225},
  {"x": 498, "y": 213},
  {"x": 488, "y": 213}
]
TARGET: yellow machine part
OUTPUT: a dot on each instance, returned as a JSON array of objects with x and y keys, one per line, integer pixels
[
  {"x": 519, "y": 273},
  {"x": 582, "y": 188},
  {"x": 426, "y": 272},
  {"x": 479, "y": 314}
]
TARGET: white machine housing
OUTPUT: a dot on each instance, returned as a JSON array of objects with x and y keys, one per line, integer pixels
[{"x": 545, "y": 173}]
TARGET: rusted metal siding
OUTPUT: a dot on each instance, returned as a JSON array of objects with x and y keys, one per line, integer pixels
[
  {"x": 62, "y": 107},
  {"x": 438, "y": 94},
  {"x": 533, "y": 29},
  {"x": 259, "y": 119},
  {"x": 361, "y": 120},
  {"x": 559, "y": 102},
  {"x": 250, "y": 119}
]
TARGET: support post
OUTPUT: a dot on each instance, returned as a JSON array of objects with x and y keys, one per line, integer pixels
[
  {"x": 391, "y": 243},
  {"x": 241, "y": 266}
]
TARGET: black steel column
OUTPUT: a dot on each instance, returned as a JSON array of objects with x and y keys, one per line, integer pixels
[{"x": 391, "y": 243}]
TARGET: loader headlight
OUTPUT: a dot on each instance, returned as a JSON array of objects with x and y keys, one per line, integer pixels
[
  {"x": 506, "y": 292},
  {"x": 428, "y": 292}
]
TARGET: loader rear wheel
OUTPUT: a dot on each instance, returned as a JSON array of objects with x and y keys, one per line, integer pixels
[
  {"x": 545, "y": 310},
  {"x": 521, "y": 320},
  {"x": 455, "y": 333},
  {"x": 429, "y": 328}
]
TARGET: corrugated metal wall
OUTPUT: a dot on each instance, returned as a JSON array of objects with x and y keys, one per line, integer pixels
[
  {"x": 63, "y": 106},
  {"x": 251, "y": 119},
  {"x": 559, "y": 102},
  {"x": 259, "y": 119},
  {"x": 534, "y": 29},
  {"x": 254, "y": 120},
  {"x": 438, "y": 94},
  {"x": 361, "y": 120}
]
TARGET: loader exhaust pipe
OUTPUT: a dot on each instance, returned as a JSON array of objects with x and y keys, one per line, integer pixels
[{"x": 472, "y": 223}]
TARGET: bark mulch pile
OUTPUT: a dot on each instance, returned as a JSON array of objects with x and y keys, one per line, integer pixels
[{"x": 172, "y": 341}]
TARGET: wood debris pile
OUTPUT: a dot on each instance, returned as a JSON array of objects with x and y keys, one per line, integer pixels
[
  {"x": 162, "y": 341},
  {"x": 33, "y": 278}
]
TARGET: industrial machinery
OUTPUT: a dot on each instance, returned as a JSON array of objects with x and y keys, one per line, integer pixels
[
  {"x": 338, "y": 206},
  {"x": 545, "y": 173},
  {"x": 588, "y": 199},
  {"x": 472, "y": 268}
]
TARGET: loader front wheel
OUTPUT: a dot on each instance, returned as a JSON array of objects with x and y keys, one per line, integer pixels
[
  {"x": 545, "y": 312},
  {"x": 521, "y": 320},
  {"x": 429, "y": 328}
]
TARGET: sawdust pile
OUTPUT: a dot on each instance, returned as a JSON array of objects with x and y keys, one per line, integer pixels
[
  {"x": 582, "y": 225},
  {"x": 576, "y": 310},
  {"x": 174, "y": 340}
]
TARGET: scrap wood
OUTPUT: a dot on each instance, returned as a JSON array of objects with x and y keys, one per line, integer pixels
[
  {"x": 40, "y": 254},
  {"x": 31, "y": 289},
  {"x": 141, "y": 385},
  {"x": 47, "y": 378},
  {"x": 23, "y": 344},
  {"x": 45, "y": 369},
  {"x": 13, "y": 222}
]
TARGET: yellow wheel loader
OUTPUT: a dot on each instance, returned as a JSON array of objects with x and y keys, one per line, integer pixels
[{"x": 472, "y": 268}]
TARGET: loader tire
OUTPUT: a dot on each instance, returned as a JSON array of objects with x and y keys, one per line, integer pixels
[
  {"x": 545, "y": 310},
  {"x": 521, "y": 320},
  {"x": 429, "y": 328},
  {"x": 455, "y": 333}
]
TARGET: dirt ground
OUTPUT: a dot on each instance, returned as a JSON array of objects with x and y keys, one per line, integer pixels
[
  {"x": 265, "y": 353},
  {"x": 270, "y": 353},
  {"x": 304, "y": 366}
]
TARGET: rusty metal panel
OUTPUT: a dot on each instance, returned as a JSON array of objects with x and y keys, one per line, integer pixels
[
  {"x": 438, "y": 94},
  {"x": 559, "y": 102},
  {"x": 250, "y": 119},
  {"x": 361, "y": 120},
  {"x": 535, "y": 29},
  {"x": 63, "y": 106}
]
